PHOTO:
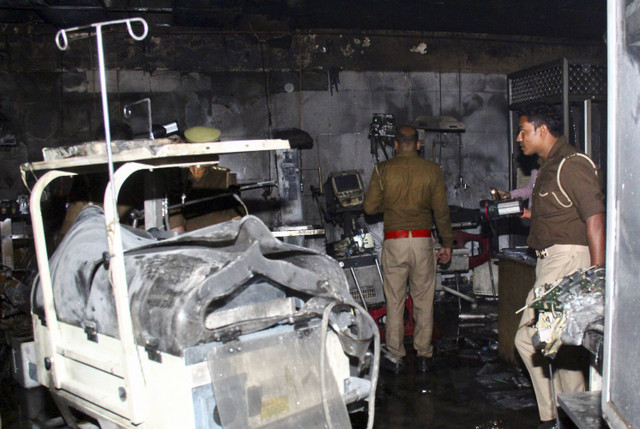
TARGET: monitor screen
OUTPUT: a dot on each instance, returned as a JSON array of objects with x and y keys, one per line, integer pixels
[{"x": 346, "y": 182}]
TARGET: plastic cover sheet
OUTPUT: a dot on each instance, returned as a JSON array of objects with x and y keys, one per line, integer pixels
[{"x": 269, "y": 382}]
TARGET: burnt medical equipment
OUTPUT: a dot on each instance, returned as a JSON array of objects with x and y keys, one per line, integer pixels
[
  {"x": 347, "y": 188},
  {"x": 464, "y": 218},
  {"x": 225, "y": 326},
  {"x": 193, "y": 322},
  {"x": 571, "y": 311},
  {"x": 344, "y": 197},
  {"x": 14, "y": 209},
  {"x": 343, "y": 206},
  {"x": 382, "y": 133}
]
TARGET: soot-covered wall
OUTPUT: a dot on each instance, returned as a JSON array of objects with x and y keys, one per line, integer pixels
[{"x": 327, "y": 84}]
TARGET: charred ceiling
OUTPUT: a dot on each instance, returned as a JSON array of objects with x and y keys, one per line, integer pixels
[{"x": 574, "y": 19}]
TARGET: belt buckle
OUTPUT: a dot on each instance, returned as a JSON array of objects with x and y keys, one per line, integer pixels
[{"x": 541, "y": 254}]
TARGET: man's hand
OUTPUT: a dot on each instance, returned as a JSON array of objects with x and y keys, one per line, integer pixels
[
  {"x": 526, "y": 214},
  {"x": 444, "y": 255},
  {"x": 504, "y": 195}
]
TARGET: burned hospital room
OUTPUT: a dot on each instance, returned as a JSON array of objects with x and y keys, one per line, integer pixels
[{"x": 298, "y": 214}]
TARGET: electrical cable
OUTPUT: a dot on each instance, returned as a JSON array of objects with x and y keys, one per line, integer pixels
[{"x": 238, "y": 199}]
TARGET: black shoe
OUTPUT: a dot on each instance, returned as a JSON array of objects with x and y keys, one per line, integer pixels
[
  {"x": 549, "y": 424},
  {"x": 424, "y": 364},
  {"x": 393, "y": 365}
]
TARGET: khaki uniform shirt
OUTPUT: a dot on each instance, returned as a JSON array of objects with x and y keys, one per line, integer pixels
[
  {"x": 560, "y": 219},
  {"x": 407, "y": 189}
]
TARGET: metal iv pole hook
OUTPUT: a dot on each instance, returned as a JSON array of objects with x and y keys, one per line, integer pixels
[{"x": 63, "y": 43}]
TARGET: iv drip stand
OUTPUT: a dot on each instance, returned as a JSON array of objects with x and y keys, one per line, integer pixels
[{"x": 133, "y": 378}]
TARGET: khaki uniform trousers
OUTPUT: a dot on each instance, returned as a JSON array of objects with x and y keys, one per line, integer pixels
[
  {"x": 412, "y": 259},
  {"x": 568, "y": 366}
]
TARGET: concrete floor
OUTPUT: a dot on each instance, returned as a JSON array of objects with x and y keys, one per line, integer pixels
[{"x": 467, "y": 388}]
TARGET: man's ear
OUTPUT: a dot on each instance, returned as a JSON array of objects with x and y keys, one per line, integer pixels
[
  {"x": 543, "y": 130},
  {"x": 395, "y": 145},
  {"x": 418, "y": 145}
]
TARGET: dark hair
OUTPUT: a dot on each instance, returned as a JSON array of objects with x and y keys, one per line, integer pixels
[
  {"x": 543, "y": 114},
  {"x": 406, "y": 136}
]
